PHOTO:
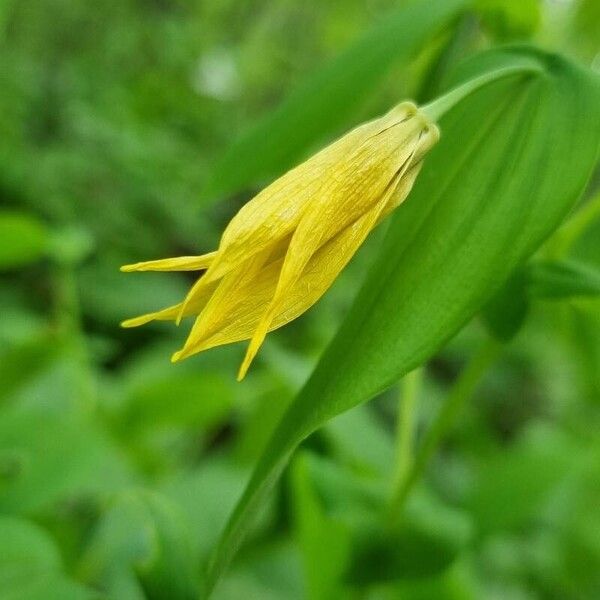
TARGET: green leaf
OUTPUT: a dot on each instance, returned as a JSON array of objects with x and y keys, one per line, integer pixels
[
  {"x": 344, "y": 539},
  {"x": 513, "y": 484},
  {"x": 206, "y": 495},
  {"x": 325, "y": 101},
  {"x": 324, "y": 541},
  {"x": 513, "y": 159},
  {"x": 25, "y": 547},
  {"x": 506, "y": 312},
  {"x": 551, "y": 280},
  {"x": 413, "y": 551},
  {"x": 48, "y": 456},
  {"x": 21, "y": 363},
  {"x": 30, "y": 565},
  {"x": 271, "y": 572},
  {"x": 584, "y": 331},
  {"x": 143, "y": 534},
  {"x": 188, "y": 400},
  {"x": 456, "y": 583},
  {"x": 430, "y": 537},
  {"x": 558, "y": 280},
  {"x": 375, "y": 451},
  {"x": 586, "y": 26},
  {"x": 24, "y": 239},
  {"x": 510, "y": 20}
]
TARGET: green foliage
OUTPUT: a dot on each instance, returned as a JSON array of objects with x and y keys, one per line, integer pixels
[
  {"x": 24, "y": 239},
  {"x": 563, "y": 279},
  {"x": 324, "y": 543},
  {"x": 509, "y": 20},
  {"x": 30, "y": 565},
  {"x": 54, "y": 455},
  {"x": 328, "y": 99},
  {"x": 125, "y": 126},
  {"x": 146, "y": 534}
]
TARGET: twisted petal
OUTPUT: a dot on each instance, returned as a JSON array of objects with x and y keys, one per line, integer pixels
[
  {"x": 276, "y": 211},
  {"x": 345, "y": 204},
  {"x": 239, "y": 318},
  {"x": 172, "y": 313},
  {"x": 367, "y": 157},
  {"x": 181, "y": 263},
  {"x": 284, "y": 249}
]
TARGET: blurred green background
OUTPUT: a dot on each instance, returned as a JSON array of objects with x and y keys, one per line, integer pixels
[{"x": 118, "y": 469}]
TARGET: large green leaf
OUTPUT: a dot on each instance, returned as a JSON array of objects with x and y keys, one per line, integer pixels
[
  {"x": 325, "y": 101},
  {"x": 513, "y": 159}
]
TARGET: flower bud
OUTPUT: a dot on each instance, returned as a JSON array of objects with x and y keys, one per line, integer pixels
[{"x": 285, "y": 247}]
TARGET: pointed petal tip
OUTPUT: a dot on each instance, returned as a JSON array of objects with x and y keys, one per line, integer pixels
[
  {"x": 242, "y": 372},
  {"x": 135, "y": 322},
  {"x": 248, "y": 359}
]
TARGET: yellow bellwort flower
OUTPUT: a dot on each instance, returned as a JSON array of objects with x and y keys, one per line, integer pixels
[{"x": 285, "y": 247}]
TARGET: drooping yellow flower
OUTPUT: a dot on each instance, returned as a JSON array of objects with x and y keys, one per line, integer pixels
[{"x": 285, "y": 247}]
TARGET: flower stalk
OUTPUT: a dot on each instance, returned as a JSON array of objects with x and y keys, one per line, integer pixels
[
  {"x": 461, "y": 392},
  {"x": 440, "y": 106}
]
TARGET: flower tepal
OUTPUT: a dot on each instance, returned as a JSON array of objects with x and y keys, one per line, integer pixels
[{"x": 285, "y": 247}]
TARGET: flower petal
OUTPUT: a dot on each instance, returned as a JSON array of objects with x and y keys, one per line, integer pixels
[
  {"x": 239, "y": 318},
  {"x": 225, "y": 296},
  {"x": 276, "y": 211},
  {"x": 320, "y": 225},
  {"x": 180, "y": 263},
  {"x": 172, "y": 313}
]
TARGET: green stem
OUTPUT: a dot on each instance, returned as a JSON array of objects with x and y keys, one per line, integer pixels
[
  {"x": 440, "y": 106},
  {"x": 68, "y": 316},
  {"x": 405, "y": 430},
  {"x": 460, "y": 393},
  {"x": 560, "y": 244}
]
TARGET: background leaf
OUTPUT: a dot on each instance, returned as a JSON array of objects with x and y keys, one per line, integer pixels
[
  {"x": 31, "y": 566},
  {"x": 324, "y": 541},
  {"x": 54, "y": 456},
  {"x": 143, "y": 534},
  {"x": 326, "y": 100},
  {"x": 563, "y": 279},
  {"x": 24, "y": 239}
]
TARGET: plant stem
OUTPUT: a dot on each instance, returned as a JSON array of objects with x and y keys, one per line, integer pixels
[
  {"x": 460, "y": 393},
  {"x": 440, "y": 106},
  {"x": 561, "y": 242},
  {"x": 406, "y": 421},
  {"x": 68, "y": 316}
]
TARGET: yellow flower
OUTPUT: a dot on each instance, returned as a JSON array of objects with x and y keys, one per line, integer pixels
[{"x": 285, "y": 247}]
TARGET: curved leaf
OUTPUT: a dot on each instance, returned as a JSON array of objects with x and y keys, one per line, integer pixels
[
  {"x": 326, "y": 100},
  {"x": 513, "y": 159},
  {"x": 563, "y": 279}
]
